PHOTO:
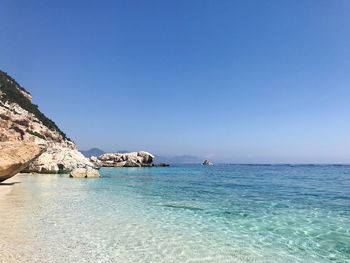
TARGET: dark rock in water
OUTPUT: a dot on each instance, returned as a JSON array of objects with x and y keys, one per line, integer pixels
[
  {"x": 207, "y": 162},
  {"x": 162, "y": 164},
  {"x": 147, "y": 165},
  {"x": 155, "y": 165}
]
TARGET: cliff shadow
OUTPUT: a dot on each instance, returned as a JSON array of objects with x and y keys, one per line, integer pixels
[{"x": 12, "y": 183}]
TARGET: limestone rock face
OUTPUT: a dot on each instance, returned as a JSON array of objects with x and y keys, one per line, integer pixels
[
  {"x": 78, "y": 173},
  {"x": 132, "y": 163},
  {"x": 119, "y": 164},
  {"x": 84, "y": 173},
  {"x": 132, "y": 159},
  {"x": 146, "y": 156},
  {"x": 59, "y": 159},
  {"x": 92, "y": 173},
  {"x": 15, "y": 156},
  {"x": 95, "y": 161},
  {"x": 21, "y": 120}
]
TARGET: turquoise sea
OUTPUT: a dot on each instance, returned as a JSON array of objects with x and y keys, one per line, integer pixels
[{"x": 187, "y": 213}]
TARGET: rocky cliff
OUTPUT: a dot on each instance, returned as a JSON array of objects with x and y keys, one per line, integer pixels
[{"x": 21, "y": 120}]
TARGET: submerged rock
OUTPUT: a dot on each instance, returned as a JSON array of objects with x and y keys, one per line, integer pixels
[{"x": 15, "y": 156}]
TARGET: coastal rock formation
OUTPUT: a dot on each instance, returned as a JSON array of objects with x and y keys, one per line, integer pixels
[
  {"x": 95, "y": 160},
  {"x": 132, "y": 159},
  {"x": 58, "y": 159},
  {"x": 207, "y": 162},
  {"x": 132, "y": 163},
  {"x": 84, "y": 173},
  {"x": 21, "y": 120},
  {"x": 15, "y": 156}
]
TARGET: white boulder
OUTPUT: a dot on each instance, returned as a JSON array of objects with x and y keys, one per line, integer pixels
[{"x": 84, "y": 173}]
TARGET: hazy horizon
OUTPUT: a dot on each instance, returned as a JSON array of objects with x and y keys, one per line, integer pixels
[
  {"x": 201, "y": 158},
  {"x": 240, "y": 82}
]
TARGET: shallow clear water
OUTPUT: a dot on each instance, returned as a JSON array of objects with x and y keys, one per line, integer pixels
[{"x": 223, "y": 213}]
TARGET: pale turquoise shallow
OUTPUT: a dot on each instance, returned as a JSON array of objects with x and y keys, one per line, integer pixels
[{"x": 188, "y": 213}]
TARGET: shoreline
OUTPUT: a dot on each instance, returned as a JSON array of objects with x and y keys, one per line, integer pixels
[
  {"x": 137, "y": 214},
  {"x": 6, "y": 187}
]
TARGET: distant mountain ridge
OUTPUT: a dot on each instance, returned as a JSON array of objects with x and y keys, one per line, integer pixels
[
  {"x": 92, "y": 152},
  {"x": 97, "y": 152}
]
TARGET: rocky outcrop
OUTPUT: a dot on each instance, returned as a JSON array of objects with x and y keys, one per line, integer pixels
[
  {"x": 21, "y": 120},
  {"x": 132, "y": 163},
  {"x": 84, "y": 173},
  {"x": 207, "y": 162},
  {"x": 15, "y": 156},
  {"x": 58, "y": 159},
  {"x": 132, "y": 159}
]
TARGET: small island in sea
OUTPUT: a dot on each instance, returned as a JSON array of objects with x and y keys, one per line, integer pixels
[{"x": 174, "y": 132}]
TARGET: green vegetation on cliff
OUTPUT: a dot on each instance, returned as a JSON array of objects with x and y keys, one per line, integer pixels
[{"x": 11, "y": 91}]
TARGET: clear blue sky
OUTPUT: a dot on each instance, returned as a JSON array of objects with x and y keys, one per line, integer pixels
[{"x": 240, "y": 81}]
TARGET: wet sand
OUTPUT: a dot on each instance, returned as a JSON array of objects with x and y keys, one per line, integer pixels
[{"x": 7, "y": 186}]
